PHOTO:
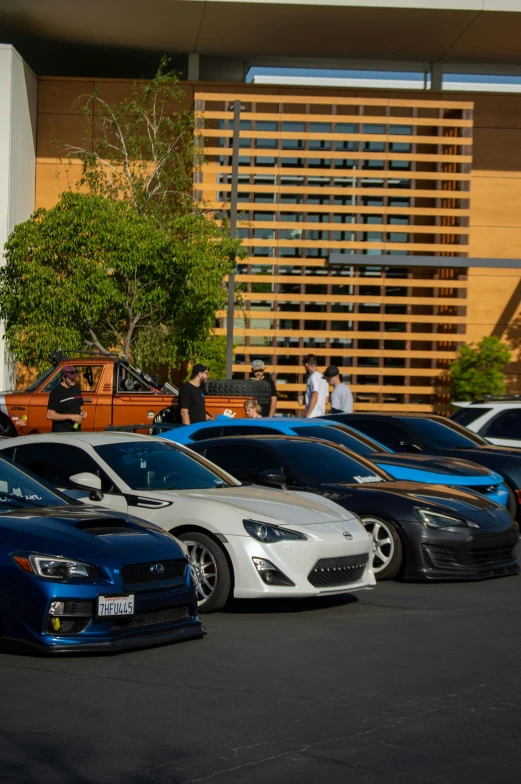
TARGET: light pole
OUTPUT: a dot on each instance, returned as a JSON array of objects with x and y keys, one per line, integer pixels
[{"x": 233, "y": 235}]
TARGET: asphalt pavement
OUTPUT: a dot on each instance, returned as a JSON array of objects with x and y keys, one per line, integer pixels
[{"x": 404, "y": 684}]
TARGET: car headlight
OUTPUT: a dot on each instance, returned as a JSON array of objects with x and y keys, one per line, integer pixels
[
  {"x": 438, "y": 520},
  {"x": 55, "y": 567},
  {"x": 265, "y": 532}
]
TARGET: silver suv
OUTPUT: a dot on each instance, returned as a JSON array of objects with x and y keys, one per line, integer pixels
[{"x": 495, "y": 418}]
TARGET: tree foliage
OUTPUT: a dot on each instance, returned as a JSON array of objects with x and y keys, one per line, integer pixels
[
  {"x": 141, "y": 150},
  {"x": 92, "y": 272},
  {"x": 133, "y": 264},
  {"x": 478, "y": 370}
]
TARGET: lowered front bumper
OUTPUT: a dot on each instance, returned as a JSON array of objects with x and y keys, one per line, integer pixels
[
  {"x": 443, "y": 555},
  {"x": 316, "y": 568}
]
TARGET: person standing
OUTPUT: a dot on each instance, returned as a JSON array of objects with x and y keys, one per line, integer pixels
[
  {"x": 316, "y": 389},
  {"x": 191, "y": 397},
  {"x": 341, "y": 397},
  {"x": 259, "y": 374},
  {"x": 64, "y": 407}
]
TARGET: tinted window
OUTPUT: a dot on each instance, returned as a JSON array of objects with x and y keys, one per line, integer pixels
[
  {"x": 26, "y": 490},
  {"x": 317, "y": 464},
  {"x": 249, "y": 430},
  {"x": 156, "y": 465},
  {"x": 206, "y": 432},
  {"x": 57, "y": 462},
  {"x": 243, "y": 462},
  {"x": 464, "y": 416},
  {"x": 387, "y": 433},
  {"x": 506, "y": 425},
  {"x": 445, "y": 436},
  {"x": 340, "y": 435}
]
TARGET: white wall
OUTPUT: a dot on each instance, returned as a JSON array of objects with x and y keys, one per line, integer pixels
[{"x": 18, "y": 105}]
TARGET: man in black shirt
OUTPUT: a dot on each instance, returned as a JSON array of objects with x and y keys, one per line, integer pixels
[
  {"x": 191, "y": 397},
  {"x": 259, "y": 374},
  {"x": 65, "y": 403}
]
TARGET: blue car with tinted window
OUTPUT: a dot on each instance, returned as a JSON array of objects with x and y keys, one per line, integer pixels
[
  {"x": 75, "y": 578},
  {"x": 452, "y": 472}
]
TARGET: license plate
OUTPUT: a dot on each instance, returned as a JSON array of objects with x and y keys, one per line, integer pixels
[{"x": 116, "y": 605}]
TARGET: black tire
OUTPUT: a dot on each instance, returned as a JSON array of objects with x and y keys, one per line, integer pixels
[
  {"x": 391, "y": 566},
  {"x": 7, "y": 429},
  {"x": 222, "y": 582},
  {"x": 512, "y": 502},
  {"x": 236, "y": 387}
]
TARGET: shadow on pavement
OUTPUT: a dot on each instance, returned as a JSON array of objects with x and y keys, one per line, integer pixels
[
  {"x": 28, "y": 757},
  {"x": 277, "y": 606}
]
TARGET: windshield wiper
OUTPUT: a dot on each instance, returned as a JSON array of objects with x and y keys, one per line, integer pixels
[{"x": 20, "y": 498}]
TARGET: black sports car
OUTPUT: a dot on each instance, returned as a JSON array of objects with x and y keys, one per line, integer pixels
[
  {"x": 420, "y": 531},
  {"x": 435, "y": 435}
]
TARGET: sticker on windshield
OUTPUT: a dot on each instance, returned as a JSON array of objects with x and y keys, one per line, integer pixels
[{"x": 365, "y": 479}]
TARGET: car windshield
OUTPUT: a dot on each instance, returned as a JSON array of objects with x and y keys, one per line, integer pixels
[
  {"x": 319, "y": 464},
  {"x": 447, "y": 435},
  {"x": 156, "y": 465},
  {"x": 20, "y": 490},
  {"x": 464, "y": 416},
  {"x": 343, "y": 436},
  {"x": 39, "y": 381}
]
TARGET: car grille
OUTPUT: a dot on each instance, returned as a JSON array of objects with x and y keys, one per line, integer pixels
[
  {"x": 445, "y": 557},
  {"x": 152, "y": 618},
  {"x": 136, "y": 574},
  {"x": 330, "y": 572},
  {"x": 492, "y": 555}
]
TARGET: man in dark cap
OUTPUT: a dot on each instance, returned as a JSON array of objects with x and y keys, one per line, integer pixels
[
  {"x": 64, "y": 408},
  {"x": 341, "y": 397},
  {"x": 191, "y": 397},
  {"x": 258, "y": 370}
]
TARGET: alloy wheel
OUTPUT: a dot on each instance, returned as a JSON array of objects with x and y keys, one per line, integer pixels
[
  {"x": 383, "y": 543},
  {"x": 204, "y": 570}
]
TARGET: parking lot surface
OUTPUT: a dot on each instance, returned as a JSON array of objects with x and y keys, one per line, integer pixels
[{"x": 404, "y": 684}]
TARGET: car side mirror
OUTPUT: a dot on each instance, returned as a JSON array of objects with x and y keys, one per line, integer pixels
[
  {"x": 409, "y": 445},
  {"x": 272, "y": 478},
  {"x": 88, "y": 481}
]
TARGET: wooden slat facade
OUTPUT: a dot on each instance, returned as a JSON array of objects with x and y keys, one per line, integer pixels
[{"x": 357, "y": 175}]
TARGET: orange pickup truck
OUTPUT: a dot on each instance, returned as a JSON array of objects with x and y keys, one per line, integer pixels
[{"x": 114, "y": 393}]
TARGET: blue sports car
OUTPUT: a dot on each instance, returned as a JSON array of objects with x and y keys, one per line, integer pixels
[
  {"x": 452, "y": 472},
  {"x": 74, "y": 578}
]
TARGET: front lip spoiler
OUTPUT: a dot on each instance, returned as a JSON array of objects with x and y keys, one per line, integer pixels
[
  {"x": 195, "y": 631},
  {"x": 462, "y": 573}
]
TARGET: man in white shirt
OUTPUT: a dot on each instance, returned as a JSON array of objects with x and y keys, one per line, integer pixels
[
  {"x": 316, "y": 390},
  {"x": 341, "y": 396}
]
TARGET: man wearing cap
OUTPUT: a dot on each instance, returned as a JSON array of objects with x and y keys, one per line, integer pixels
[
  {"x": 341, "y": 397},
  {"x": 191, "y": 397},
  {"x": 64, "y": 408},
  {"x": 259, "y": 374}
]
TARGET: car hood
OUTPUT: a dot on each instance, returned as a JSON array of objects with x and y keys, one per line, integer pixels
[
  {"x": 452, "y": 470},
  {"x": 285, "y": 507},
  {"x": 448, "y": 500},
  {"x": 69, "y": 531}
]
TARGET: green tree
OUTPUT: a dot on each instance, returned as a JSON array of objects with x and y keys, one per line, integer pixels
[
  {"x": 478, "y": 370},
  {"x": 93, "y": 272},
  {"x": 141, "y": 150}
]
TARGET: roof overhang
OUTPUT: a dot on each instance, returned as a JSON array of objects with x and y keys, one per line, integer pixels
[{"x": 456, "y": 31}]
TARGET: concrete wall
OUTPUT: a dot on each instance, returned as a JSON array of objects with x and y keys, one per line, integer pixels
[{"x": 18, "y": 99}]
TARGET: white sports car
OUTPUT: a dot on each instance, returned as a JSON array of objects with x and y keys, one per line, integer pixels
[{"x": 242, "y": 540}]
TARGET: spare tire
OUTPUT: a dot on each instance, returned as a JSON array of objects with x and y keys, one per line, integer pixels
[{"x": 236, "y": 387}]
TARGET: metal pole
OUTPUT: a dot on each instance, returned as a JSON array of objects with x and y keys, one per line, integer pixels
[{"x": 233, "y": 235}]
